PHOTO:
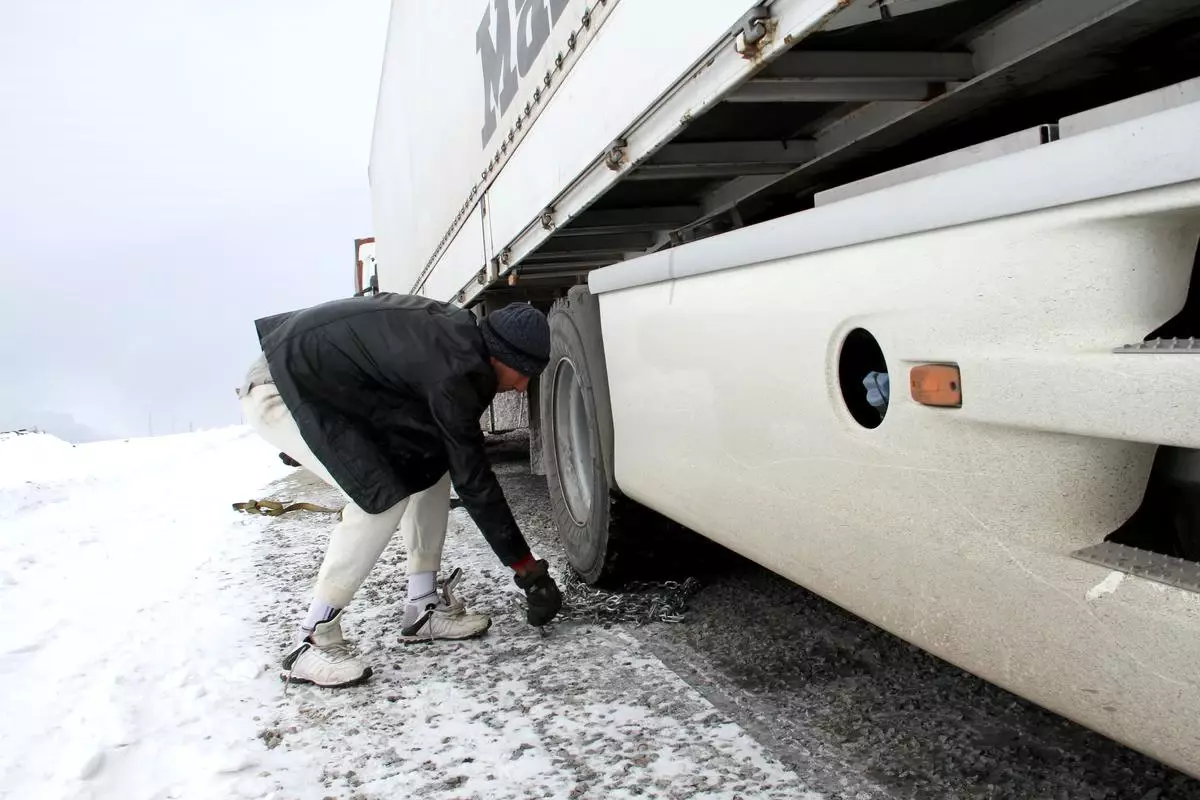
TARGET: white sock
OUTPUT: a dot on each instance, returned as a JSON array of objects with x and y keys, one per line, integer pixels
[
  {"x": 421, "y": 585},
  {"x": 318, "y": 612}
]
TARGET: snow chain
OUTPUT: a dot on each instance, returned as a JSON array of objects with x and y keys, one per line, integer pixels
[{"x": 639, "y": 602}]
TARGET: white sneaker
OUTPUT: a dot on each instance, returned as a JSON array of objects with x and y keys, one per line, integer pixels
[
  {"x": 325, "y": 659},
  {"x": 445, "y": 619}
]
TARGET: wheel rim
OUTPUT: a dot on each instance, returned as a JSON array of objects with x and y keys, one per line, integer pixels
[{"x": 572, "y": 443}]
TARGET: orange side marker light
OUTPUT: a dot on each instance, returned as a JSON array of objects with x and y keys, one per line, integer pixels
[{"x": 936, "y": 385}]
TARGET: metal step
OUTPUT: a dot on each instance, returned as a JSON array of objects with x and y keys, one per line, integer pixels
[
  {"x": 1172, "y": 571},
  {"x": 1162, "y": 347}
]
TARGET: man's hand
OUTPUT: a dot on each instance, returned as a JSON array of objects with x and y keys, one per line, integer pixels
[{"x": 541, "y": 593}]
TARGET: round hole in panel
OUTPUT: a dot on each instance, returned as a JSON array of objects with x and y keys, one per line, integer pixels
[{"x": 863, "y": 377}]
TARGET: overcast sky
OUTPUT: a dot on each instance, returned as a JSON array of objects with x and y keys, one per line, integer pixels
[{"x": 169, "y": 171}]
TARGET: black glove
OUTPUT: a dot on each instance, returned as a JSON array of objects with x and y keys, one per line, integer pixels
[{"x": 541, "y": 592}]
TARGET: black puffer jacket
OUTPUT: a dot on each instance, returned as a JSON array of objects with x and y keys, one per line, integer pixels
[{"x": 387, "y": 392}]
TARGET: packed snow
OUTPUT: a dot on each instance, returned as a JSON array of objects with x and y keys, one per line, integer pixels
[{"x": 146, "y": 618}]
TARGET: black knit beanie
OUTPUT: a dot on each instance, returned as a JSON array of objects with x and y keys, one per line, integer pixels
[{"x": 518, "y": 336}]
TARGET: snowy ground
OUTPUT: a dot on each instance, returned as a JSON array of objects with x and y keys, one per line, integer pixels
[{"x": 146, "y": 619}]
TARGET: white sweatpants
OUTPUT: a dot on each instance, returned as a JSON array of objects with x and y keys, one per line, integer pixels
[{"x": 359, "y": 539}]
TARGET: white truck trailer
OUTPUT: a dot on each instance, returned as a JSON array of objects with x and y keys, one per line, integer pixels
[{"x": 740, "y": 216}]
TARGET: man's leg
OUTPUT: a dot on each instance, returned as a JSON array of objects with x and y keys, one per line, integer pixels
[
  {"x": 354, "y": 547},
  {"x": 427, "y": 615},
  {"x": 359, "y": 539},
  {"x": 424, "y": 527}
]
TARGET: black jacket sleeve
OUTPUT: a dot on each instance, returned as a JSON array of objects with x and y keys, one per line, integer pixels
[{"x": 456, "y": 410}]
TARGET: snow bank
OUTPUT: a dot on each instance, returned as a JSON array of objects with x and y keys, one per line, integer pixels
[
  {"x": 31, "y": 457},
  {"x": 37, "y": 469},
  {"x": 30, "y": 465},
  {"x": 128, "y": 662}
]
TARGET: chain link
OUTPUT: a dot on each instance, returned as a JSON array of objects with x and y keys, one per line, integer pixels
[{"x": 638, "y": 602}]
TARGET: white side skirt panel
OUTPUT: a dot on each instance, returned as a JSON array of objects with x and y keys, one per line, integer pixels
[{"x": 949, "y": 527}]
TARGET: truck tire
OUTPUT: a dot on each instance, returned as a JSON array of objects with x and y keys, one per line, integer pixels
[
  {"x": 575, "y": 425},
  {"x": 608, "y": 538}
]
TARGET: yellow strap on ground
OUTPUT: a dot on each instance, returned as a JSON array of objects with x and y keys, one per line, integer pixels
[{"x": 274, "y": 508}]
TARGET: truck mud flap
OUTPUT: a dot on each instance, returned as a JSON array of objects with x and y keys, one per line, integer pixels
[{"x": 1172, "y": 571}]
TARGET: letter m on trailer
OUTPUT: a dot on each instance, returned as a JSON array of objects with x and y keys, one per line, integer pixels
[
  {"x": 495, "y": 58},
  {"x": 500, "y": 69}
]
